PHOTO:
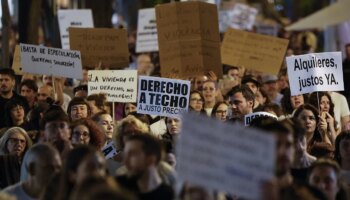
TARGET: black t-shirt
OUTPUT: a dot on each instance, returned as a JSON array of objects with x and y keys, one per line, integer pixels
[{"x": 163, "y": 192}]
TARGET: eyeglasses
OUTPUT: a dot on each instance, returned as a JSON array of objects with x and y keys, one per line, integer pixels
[
  {"x": 197, "y": 100},
  {"x": 79, "y": 135},
  {"x": 16, "y": 140}
]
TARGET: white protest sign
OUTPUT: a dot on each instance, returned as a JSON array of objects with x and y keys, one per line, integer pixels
[
  {"x": 51, "y": 61},
  {"x": 267, "y": 29},
  {"x": 109, "y": 151},
  {"x": 243, "y": 17},
  {"x": 249, "y": 118},
  {"x": 118, "y": 85},
  {"x": 147, "y": 38},
  {"x": 315, "y": 72},
  {"x": 73, "y": 18},
  {"x": 224, "y": 157},
  {"x": 163, "y": 96}
]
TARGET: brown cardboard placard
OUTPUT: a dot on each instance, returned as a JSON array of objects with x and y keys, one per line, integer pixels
[
  {"x": 16, "y": 63},
  {"x": 188, "y": 38},
  {"x": 253, "y": 51},
  {"x": 106, "y": 45}
]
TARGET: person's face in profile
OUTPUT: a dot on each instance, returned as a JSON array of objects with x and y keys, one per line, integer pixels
[
  {"x": 107, "y": 124},
  {"x": 240, "y": 105}
]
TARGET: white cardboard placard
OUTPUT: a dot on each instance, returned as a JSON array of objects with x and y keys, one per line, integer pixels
[{"x": 147, "y": 38}]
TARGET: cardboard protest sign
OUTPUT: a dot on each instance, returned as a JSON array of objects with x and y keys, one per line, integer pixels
[
  {"x": 51, "y": 61},
  {"x": 16, "y": 63},
  {"x": 162, "y": 96},
  {"x": 250, "y": 117},
  {"x": 253, "y": 51},
  {"x": 118, "y": 85},
  {"x": 107, "y": 46},
  {"x": 109, "y": 151},
  {"x": 147, "y": 38},
  {"x": 224, "y": 157},
  {"x": 315, "y": 72},
  {"x": 73, "y": 18},
  {"x": 188, "y": 38}
]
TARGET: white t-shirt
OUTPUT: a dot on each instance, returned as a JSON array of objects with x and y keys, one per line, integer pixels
[
  {"x": 341, "y": 107},
  {"x": 18, "y": 191}
]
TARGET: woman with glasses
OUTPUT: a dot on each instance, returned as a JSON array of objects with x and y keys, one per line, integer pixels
[
  {"x": 13, "y": 145},
  {"x": 86, "y": 131},
  {"x": 220, "y": 111},
  {"x": 196, "y": 102}
]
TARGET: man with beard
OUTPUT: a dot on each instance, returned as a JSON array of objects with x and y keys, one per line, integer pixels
[
  {"x": 142, "y": 153},
  {"x": 7, "y": 85},
  {"x": 55, "y": 128},
  {"x": 242, "y": 101}
]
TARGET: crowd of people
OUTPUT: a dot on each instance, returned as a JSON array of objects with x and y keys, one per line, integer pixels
[{"x": 57, "y": 142}]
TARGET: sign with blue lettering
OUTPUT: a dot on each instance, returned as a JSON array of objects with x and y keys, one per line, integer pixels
[{"x": 163, "y": 96}]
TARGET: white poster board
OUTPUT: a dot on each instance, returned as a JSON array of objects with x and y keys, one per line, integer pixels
[
  {"x": 243, "y": 17},
  {"x": 147, "y": 38},
  {"x": 224, "y": 157},
  {"x": 207, "y": 1},
  {"x": 250, "y": 117},
  {"x": 51, "y": 61},
  {"x": 118, "y": 85},
  {"x": 315, "y": 72},
  {"x": 73, "y": 18},
  {"x": 163, "y": 96}
]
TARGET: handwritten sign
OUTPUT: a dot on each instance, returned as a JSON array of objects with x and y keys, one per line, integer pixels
[
  {"x": 315, "y": 72},
  {"x": 253, "y": 51},
  {"x": 101, "y": 45},
  {"x": 147, "y": 38},
  {"x": 162, "y": 96},
  {"x": 73, "y": 18},
  {"x": 188, "y": 38},
  {"x": 242, "y": 17},
  {"x": 51, "y": 61},
  {"x": 212, "y": 155},
  {"x": 118, "y": 85},
  {"x": 250, "y": 117}
]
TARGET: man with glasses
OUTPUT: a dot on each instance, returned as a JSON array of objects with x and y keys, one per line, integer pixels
[{"x": 242, "y": 102}]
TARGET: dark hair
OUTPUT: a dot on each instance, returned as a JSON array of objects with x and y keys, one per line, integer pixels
[
  {"x": 201, "y": 96},
  {"x": 270, "y": 124},
  {"x": 274, "y": 107},
  {"x": 145, "y": 118},
  {"x": 8, "y": 71},
  {"x": 124, "y": 106},
  {"x": 100, "y": 100},
  {"x": 307, "y": 107},
  {"x": 31, "y": 84},
  {"x": 245, "y": 90},
  {"x": 74, "y": 158},
  {"x": 216, "y": 106},
  {"x": 77, "y": 101},
  {"x": 97, "y": 117},
  {"x": 344, "y": 135},
  {"x": 150, "y": 144},
  {"x": 286, "y": 102},
  {"x": 8, "y": 107},
  {"x": 53, "y": 114},
  {"x": 97, "y": 137},
  {"x": 313, "y": 101}
]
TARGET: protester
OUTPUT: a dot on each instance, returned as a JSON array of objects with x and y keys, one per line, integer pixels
[
  {"x": 86, "y": 131},
  {"x": 324, "y": 175},
  {"x": 254, "y": 86},
  {"x": 209, "y": 91},
  {"x": 316, "y": 134},
  {"x": 220, "y": 111},
  {"x": 105, "y": 122},
  {"x": 15, "y": 114},
  {"x": 274, "y": 109},
  {"x": 97, "y": 103},
  {"x": 198, "y": 82},
  {"x": 242, "y": 101},
  {"x": 174, "y": 126},
  {"x": 269, "y": 85},
  {"x": 40, "y": 164},
  {"x": 346, "y": 72},
  {"x": 196, "y": 102},
  {"x": 341, "y": 110},
  {"x": 142, "y": 155},
  {"x": 78, "y": 108},
  {"x": 29, "y": 90},
  {"x": 291, "y": 103},
  {"x": 7, "y": 93},
  {"x": 46, "y": 92},
  {"x": 342, "y": 155},
  {"x": 129, "y": 108}
]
